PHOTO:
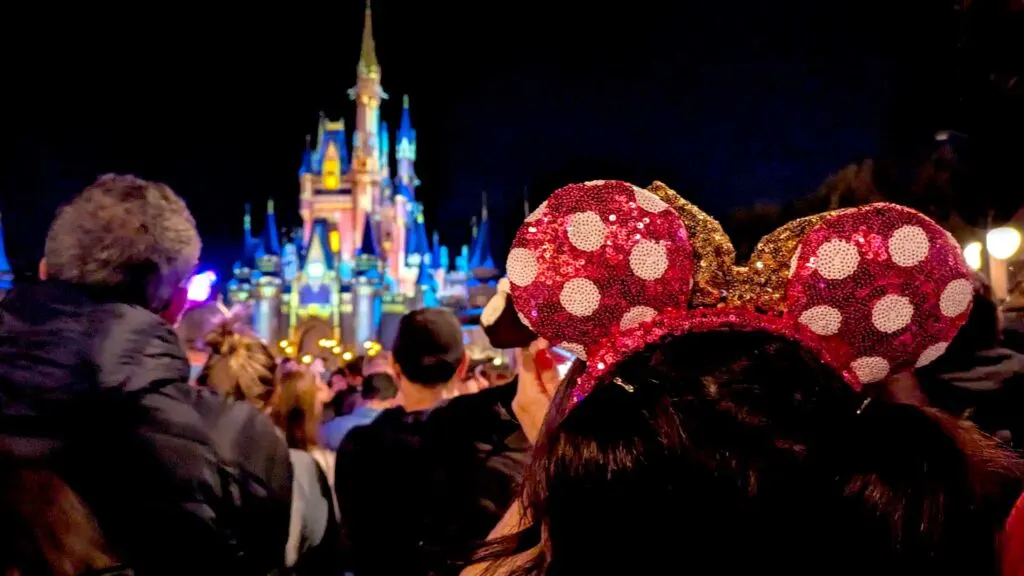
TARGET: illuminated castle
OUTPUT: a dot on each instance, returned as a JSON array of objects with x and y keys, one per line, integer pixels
[{"x": 363, "y": 257}]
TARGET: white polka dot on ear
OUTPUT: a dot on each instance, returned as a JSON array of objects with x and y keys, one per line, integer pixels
[
  {"x": 538, "y": 212},
  {"x": 522, "y": 266},
  {"x": 931, "y": 354},
  {"x": 524, "y": 320},
  {"x": 492, "y": 311},
  {"x": 574, "y": 349},
  {"x": 649, "y": 201},
  {"x": 870, "y": 369},
  {"x": 908, "y": 246},
  {"x": 580, "y": 297},
  {"x": 837, "y": 259},
  {"x": 586, "y": 231},
  {"x": 648, "y": 260},
  {"x": 822, "y": 320},
  {"x": 793, "y": 262},
  {"x": 636, "y": 315},
  {"x": 956, "y": 297},
  {"x": 891, "y": 313}
]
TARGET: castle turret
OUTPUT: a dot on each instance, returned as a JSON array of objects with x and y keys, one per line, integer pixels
[
  {"x": 6, "y": 274},
  {"x": 422, "y": 240},
  {"x": 385, "y": 161},
  {"x": 426, "y": 289},
  {"x": 239, "y": 287},
  {"x": 366, "y": 288},
  {"x": 266, "y": 314},
  {"x": 405, "y": 153},
  {"x": 435, "y": 259},
  {"x": 480, "y": 259}
]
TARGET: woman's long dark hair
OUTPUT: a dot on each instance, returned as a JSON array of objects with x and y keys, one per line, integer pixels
[{"x": 735, "y": 453}]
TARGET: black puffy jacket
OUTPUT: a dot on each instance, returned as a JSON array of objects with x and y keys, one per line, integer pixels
[{"x": 180, "y": 481}]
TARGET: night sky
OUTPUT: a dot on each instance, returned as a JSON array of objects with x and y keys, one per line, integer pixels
[{"x": 729, "y": 102}]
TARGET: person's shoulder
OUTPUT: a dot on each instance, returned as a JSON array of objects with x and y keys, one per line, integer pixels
[{"x": 486, "y": 409}]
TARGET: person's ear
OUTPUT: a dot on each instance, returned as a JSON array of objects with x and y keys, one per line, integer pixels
[
  {"x": 463, "y": 366},
  {"x": 42, "y": 268}
]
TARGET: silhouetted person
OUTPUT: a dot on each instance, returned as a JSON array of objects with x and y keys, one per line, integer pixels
[{"x": 94, "y": 386}]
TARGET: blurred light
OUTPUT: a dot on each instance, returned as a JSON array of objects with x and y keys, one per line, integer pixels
[
  {"x": 372, "y": 352},
  {"x": 942, "y": 135},
  {"x": 200, "y": 286},
  {"x": 347, "y": 356},
  {"x": 283, "y": 343},
  {"x": 334, "y": 239},
  {"x": 367, "y": 344},
  {"x": 315, "y": 269},
  {"x": 289, "y": 350},
  {"x": 307, "y": 359},
  {"x": 496, "y": 361},
  {"x": 1002, "y": 243},
  {"x": 972, "y": 254},
  {"x": 336, "y": 350}
]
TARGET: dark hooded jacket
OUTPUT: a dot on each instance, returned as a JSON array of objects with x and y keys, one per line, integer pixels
[{"x": 97, "y": 390}]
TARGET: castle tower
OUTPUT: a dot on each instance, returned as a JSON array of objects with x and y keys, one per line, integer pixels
[
  {"x": 480, "y": 257},
  {"x": 366, "y": 302},
  {"x": 405, "y": 154},
  {"x": 426, "y": 289},
  {"x": 240, "y": 287},
  {"x": 367, "y": 93},
  {"x": 6, "y": 274},
  {"x": 267, "y": 285}
]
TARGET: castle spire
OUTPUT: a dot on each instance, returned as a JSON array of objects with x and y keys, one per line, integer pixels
[
  {"x": 481, "y": 257},
  {"x": 368, "y": 65},
  {"x": 6, "y": 275},
  {"x": 271, "y": 245}
]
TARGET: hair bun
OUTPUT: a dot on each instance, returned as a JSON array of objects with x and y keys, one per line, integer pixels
[{"x": 224, "y": 340}]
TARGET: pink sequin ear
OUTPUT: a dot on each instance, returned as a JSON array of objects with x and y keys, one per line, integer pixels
[
  {"x": 598, "y": 256},
  {"x": 881, "y": 288}
]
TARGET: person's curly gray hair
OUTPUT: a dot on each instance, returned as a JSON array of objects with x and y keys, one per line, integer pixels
[{"x": 133, "y": 238}]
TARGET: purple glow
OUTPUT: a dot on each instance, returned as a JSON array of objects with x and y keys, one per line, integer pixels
[{"x": 201, "y": 286}]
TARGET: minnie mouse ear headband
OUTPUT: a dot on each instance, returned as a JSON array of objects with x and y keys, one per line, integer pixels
[
  {"x": 604, "y": 269},
  {"x": 504, "y": 326}
]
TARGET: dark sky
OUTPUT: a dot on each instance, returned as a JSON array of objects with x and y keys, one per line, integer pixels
[{"x": 729, "y": 102}]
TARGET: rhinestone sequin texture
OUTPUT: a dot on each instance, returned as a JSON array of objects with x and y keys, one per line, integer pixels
[
  {"x": 597, "y": 256},
  {"x": 872, "y": 291},
  {"x": 882, "y": 286}
]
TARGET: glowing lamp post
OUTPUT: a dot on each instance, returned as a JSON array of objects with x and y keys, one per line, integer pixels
[
  {"x": 972, "y": 255},
  {"x": 1001, "y": 244}
]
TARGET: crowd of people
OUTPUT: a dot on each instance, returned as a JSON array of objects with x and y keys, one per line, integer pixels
[{"x": 699, "y": 430}]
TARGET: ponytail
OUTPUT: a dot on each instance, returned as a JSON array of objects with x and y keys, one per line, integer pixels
[{"x": 240, "y": 366}]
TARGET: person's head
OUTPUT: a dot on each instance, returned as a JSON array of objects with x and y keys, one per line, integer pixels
[
  {"x": 743, "y": 451},
  {"x": 131, "y": 239},
  {"x": 429, "y": 351},
  {"x": 354, "y": 371},
  {"x": 45, "y": 528},
  {"x": 379, "y": 388},
  {"x": 338, "y": 380},
  {"x": 297, "y": 408},
  {"x": 240, "y": 367}
]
